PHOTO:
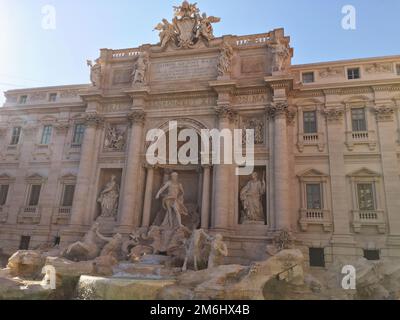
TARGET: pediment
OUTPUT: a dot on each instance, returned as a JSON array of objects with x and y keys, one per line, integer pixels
[
  {"x": 6, "y": 177},
  {"x": 312, "y": 173},
  {"x": 35, "y": 177},
  {"x": 364, "y": 172}
]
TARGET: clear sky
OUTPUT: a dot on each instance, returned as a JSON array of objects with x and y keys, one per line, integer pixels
[{"x": 31, "y": 56}]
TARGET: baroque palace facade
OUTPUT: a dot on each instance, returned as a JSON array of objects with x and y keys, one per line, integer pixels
[{"x": 327, "y": 144}]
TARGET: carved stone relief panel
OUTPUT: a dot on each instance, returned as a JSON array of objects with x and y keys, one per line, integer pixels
[
  {"x": 115, "y": 138},
  {"x": 257, "y": 124}
]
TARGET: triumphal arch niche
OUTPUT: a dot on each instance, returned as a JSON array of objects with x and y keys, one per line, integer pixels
[{"x": 202, "y": 82}]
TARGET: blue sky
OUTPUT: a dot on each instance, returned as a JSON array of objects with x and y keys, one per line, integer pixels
[{"x": 31, "y": 56}]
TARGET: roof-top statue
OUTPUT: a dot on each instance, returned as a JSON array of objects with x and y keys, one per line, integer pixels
[{"x": 187, "y": 27}]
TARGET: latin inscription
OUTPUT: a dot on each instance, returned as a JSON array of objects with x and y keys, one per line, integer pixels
[{"x": 205, "y": 68}]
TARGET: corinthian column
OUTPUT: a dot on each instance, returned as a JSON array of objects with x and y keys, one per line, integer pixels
[
  {"x": 84, "y": 180},
  {"x": 223, "y": 174},
  {"x": 279, "y": 112},
  {"x": 206, "y": 196},
  {"x": 130, "y": 217},
  {"x": 148, "y": 197}
]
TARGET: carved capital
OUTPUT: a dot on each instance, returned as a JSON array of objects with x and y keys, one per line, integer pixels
[
  {"x": 93, "y": 120},
  {"x": 333, "y": 114},
  {"x": 62, "y": 127},
  {"x": 384, "y": 113},
  {"x": 278, "y": 109},
  {"x": 137, "y": 117},
  {"x": 226, "y": 112}
]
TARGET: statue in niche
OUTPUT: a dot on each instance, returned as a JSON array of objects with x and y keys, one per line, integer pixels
[
  {"x": 258, "y": 127},
  {"x": 173, "y": 202},
  {"x": 115, "y": 139},
  {"x": 225, "y": 60},
  {"x": 109, "y": 199},
  {"x": 95, "y": 72},
  {"x": 281, "y": 54},
  {"x": 205, "y": 28},
  {"x": 140, "y": 69},
  {"x": 251, "y": 197}
]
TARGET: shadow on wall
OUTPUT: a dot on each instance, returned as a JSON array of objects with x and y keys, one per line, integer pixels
[{"x": 3, "y": 259}]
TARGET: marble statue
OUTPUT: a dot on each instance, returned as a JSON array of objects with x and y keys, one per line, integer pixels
[
  {"x": 283, "y": 240},
  {"x": 95, "y": 72},
  {"x": 115, "y": 139},
  {"x": 173, "y": 202},
  {"x": 167, "y": 32},
  {"x": 225, "y": 60},
  {"x": 113, "y": 247},
  {"x": 251, "y": 197},
  {"x": 193, "y": 248},
  {"x": 140, "y": 69},
  {"x": 205, "y": 26},
  {"x": 218, "y": 250},
  {"x": 280, "y": 53},
  {"x": 187, "y": 27},
  {"x": 109, "y": 198},
  {"x": 84, "y": 250}
]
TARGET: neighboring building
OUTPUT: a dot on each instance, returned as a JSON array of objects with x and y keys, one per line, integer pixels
[{"x": 327, "y": 143}]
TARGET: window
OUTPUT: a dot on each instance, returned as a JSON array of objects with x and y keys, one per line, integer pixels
[
  {"x": 314, "y": 196},
  {"x": 317, "y": 257},
  {"x": 24, "y": 243},
  {"x": 46, "y": 135},
  {"x": 398, "y": 69},
  {"x": 310, "y": 122},
  {"x": 52, "y": 97},
  {"x": 68, "y": 195},
  {"x": 4, "y": 194},
  {"x": 353, "y": 73},
  {"x": 372, "y": 255},
  {"x": 23, "y": 99},
  {"x": 308, "y": 77},
  {"x": 34, "y": 195},
  {"x": 358, "y": 119},
  {"x": 15, "y": 136},
  {"x": 57, "y": 241},
  {"x": 366, "y": 198},
  {"x": 79, "y": 132}
]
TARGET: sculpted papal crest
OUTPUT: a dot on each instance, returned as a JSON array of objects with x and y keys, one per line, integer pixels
[{"x": 187, "y": 27}]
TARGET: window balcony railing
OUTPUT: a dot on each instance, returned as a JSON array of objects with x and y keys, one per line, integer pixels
[
  {"x": 311, "y": 139},
  {"x": 354, "y": 138},
  {"x": 315, "y": 217},
  {"x": 29, "y": 215},
  {"x": 368, "y": 218},
  {"x": 62, "y": 215}
]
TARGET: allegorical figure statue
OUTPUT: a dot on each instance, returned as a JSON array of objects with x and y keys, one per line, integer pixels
[
  {"x": 173, "y": 202},
  {"x": 251, "y": 197},
  {"x": 280, "y": 53},
  {"x": 95, "y": 72},
  {"x": 109, "y": 198},
  {"x": 225, "y": 60},
  {"x": 217, "y": 252},
  {"x": 205, "y": 28},
  {"x": 140, "y": 69},
  {"x": 167, "y": 32}
]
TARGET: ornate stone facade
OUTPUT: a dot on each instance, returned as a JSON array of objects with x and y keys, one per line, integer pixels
[{"x": 327, "y": 151}]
